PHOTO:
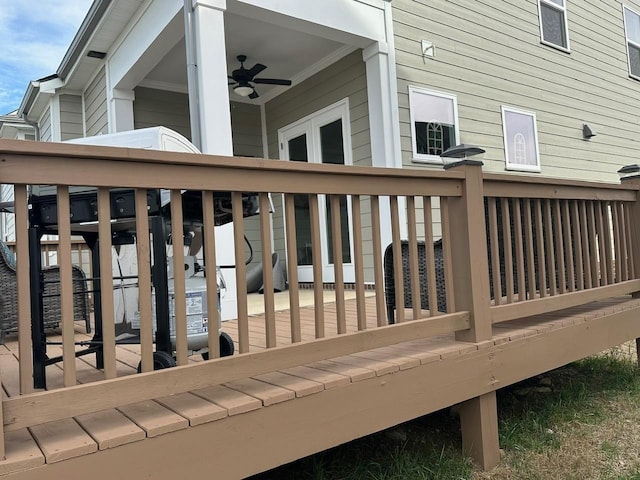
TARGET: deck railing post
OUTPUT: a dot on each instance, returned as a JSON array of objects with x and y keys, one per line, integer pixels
[
  {"x": 470, "y": 257},
  {"x": 634, "y": 179},
  {"x": 478, "y": 416}
]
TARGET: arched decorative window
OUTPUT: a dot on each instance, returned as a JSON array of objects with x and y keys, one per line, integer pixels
[
  {"x": 520, "y": 140},
  {"x": 435, "y": 141},
  {"x": 520, "y": 149}
]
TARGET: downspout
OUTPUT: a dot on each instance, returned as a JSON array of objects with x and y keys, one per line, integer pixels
[
  {"x": 192, "y": 76},
  {"x": 35, "y": 125}
]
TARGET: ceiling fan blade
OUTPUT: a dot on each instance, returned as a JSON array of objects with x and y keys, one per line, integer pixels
[
  {"x": 256, "y": 69},
  {"x": 272, "y": 81},
  {"x": 254, "y": 95}
]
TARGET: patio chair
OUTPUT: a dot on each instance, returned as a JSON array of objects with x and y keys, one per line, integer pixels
[
  {"x": 52, "y": 314},
  {"x": 389, "y": 278}
]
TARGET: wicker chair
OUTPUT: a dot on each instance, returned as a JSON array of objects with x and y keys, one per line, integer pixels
[
  {"x": 389, "y": 278},
  {"x": 52, "y": 314}
]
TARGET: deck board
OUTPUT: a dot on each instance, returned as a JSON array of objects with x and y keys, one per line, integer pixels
[
  {"x": 110, "y": 428},
  {"x": 63, "y": 439},
  {"x": 154, "y": 418}
]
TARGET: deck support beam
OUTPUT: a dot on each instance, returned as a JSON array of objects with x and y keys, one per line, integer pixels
[{"x": 479, "y": 422}]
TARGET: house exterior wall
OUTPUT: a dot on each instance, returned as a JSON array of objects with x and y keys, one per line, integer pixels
[
  {"x": 153, "y": 107},
  {"x": 70, "y": 117},
  {"x": 45, "y": 126},
  {"x": 344, "y": 79},
  {"x": 501, "y": 61},
  {"x": 95, "y": 106}
]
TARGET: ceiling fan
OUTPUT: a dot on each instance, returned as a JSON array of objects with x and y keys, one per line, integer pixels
[{"x": 243, "y": 79}]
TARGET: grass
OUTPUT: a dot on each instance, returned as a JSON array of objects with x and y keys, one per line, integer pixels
[{"x": 577, "y": 422}]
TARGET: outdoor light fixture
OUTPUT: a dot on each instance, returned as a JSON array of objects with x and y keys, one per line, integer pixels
[
  {"x": 461, "y": 154},
  {"x": 587, "y": 132},
  {"x": 243, "y": 90}
]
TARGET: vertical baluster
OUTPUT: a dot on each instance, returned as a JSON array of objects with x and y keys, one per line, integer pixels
[
  {"x": 568, "y": 246},
  {"x": 617, "y": 242},
  {"x": 267, "y": 271},
  {"x": 378, "y": 274},
  {"x": 416, "y": 300},
  {"x": 586, "y": 246},
  {"x": 577, "y": 242},
  {"x": 66, "y": 287},
  {"x": 540, "y": 237},
  {"x": 318, "y": 297},
  {"x": 432, "y": 280},
  {"x": 508, "y": 250},
  {"x": 358, "y": 261},
  {"x": 550, "y": 247},
  {"x": 23, "y": 263},
  {"x": 398, "y": 270},
  {"x": 210, "y": 264},
  {"x": 630, "y": 250},
  {"x": 593, "y": 245},
  {"x": 106, "y": 282},
  {"x": 241, "y": 271},
  {"x": 338, "y": 268},
  {"x": 292, "y": 266},
  {"x": 602, "y": 244},
  {"x": 531, "y": 270},
  {"x": 624, "y": 258},
  {"x": 179, "y": 280},
  {"x": 495, "y": 251},
  {"x": 560, "y": 248},
  {"x": 522, "y": 293},
  {"x": 144, "y": 279},
  {"x": 447, "y": 253},
  {"x": 608, "y": 242}
]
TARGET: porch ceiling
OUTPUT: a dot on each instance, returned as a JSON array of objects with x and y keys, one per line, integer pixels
[{"x": 286, "y": 53}]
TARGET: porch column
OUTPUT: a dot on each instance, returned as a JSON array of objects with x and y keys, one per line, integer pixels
[
  {"x": 121, "y": 110},
  {"x": 478, "y": 416},
  {"x": 214, "y": 113},
  {"x": 385, "y": 150}
]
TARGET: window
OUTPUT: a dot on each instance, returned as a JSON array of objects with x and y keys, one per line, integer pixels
[
  {"x": 632, "y": 29},
  {"x": 520, "y": 140},
  {"x": 553, "y": 23},
  {"x": 434, "y": 124}
]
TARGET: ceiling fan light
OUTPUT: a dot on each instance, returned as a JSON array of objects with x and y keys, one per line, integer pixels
[{"x": 243, "y": 90}]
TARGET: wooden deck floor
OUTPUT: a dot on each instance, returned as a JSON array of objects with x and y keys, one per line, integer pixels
[{"x": 78, "y": 437}]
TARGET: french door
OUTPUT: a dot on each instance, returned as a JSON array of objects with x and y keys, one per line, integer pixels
[{"x": 323, "y": 137}]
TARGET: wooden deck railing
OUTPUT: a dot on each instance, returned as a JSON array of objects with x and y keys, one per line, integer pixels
[
  {"x": 536, "y": 247},
  {"x": 557, "y": 244}
]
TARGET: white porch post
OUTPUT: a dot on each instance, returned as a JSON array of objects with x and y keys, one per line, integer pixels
[
  {"x": 213, "y": 91},
  {"x": 213, "y": 118},
  {"x": 121, "y": 110},
  {"x": 385, "y": 150}
]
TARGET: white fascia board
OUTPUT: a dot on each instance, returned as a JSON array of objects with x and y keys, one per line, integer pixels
[
  {"x": 349, "y": 19},
  {"x": 152, "y": 34}
]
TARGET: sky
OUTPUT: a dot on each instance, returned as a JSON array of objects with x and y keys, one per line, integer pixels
[{"x": 34, "y": 36}]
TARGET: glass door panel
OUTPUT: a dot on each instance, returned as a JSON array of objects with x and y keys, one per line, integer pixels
[{"x": 298, "y": 152}]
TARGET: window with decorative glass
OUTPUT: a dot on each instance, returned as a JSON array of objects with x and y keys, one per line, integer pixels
[
  {"x": 434, "y": 123},
  {"x": 520, "y": 140},
  {"x": 554, "y": 30},
  {"x": 632, "y": 30}
]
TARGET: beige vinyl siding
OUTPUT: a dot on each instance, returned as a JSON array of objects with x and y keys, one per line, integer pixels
[
  {"x": 45, "y": 126},
  {"x": 344, "y": 79},
  {"x": 246, "y": 126},
  {"x": 500, "y": 61},
  {"x": 153, "y": 108},
  {"x": 95, "y": 106},
  {"x": 70, "y": 117}
]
